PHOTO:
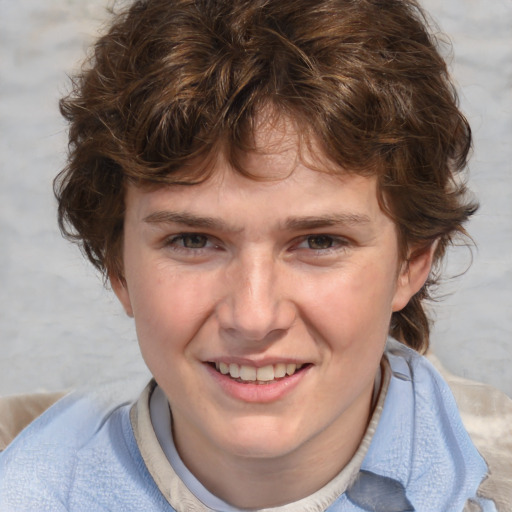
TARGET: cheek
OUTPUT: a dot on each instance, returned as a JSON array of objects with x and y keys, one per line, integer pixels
[
  {"x": 351, "y": 305},
  {"x": 169, "y": 307}
]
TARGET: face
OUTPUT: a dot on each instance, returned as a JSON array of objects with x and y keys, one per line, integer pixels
[{"x": 262, "y": 307}]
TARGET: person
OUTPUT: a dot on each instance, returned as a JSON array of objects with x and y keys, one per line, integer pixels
[{"x": 269, "y": 187}]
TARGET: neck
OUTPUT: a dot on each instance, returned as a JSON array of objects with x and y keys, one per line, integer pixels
[{"x": 263, "y": 481}]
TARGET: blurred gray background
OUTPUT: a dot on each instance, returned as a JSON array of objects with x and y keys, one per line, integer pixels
[{"x": 60, "y": 329}]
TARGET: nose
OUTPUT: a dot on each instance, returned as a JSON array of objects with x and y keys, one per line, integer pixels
[{"x": 256, "y": 305}]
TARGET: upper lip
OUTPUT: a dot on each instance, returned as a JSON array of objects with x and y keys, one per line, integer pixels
[{"x": 257, "y": 364}]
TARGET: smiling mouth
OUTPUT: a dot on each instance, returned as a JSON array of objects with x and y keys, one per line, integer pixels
[{"x": 263, "y": 375}]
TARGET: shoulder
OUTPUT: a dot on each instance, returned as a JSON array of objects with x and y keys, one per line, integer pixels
[
  {"x": 421, "y": 441},
  {"x": 80, "y": 453},
  {"x": 487, "y": 416}
]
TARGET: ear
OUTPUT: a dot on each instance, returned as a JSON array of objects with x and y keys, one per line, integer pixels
[
  {"x": 121, "y": 290},
  {"x": 412, "y": 276}
]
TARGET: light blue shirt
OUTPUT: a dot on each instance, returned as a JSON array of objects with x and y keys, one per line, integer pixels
[{"x": 81, "y": 455}]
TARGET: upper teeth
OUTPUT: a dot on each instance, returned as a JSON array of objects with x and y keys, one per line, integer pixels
[{"x": 251, "y": 373}]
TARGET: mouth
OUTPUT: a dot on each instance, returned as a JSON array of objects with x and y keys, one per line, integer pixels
[{"x": 254, "y": 375}]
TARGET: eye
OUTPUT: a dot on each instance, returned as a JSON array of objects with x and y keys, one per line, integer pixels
[
  {"x": 321, "y": 246},
  {"x": 190, "y": 241},
  {"x": 320, "y": 242},
  {"x": 194, "y": 241}
]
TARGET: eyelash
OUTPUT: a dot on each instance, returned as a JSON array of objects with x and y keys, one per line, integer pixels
[
  {"x": 335, "y": 243},
  {"x": 177, "y": 242}
]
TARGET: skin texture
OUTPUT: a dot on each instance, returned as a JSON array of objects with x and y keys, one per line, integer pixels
[{"x": 302, "y": 267}]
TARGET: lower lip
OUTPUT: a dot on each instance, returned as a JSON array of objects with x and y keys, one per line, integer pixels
[{"x": 258, "y": 393}]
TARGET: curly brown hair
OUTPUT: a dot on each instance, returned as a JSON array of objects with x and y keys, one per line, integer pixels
[{"x": 180, "y": 80}]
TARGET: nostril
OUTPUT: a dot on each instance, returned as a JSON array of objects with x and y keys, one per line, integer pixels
[{"x": 255, "y": 320}]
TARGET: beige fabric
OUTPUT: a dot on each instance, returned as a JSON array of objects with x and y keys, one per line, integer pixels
[
  {"x": 182, "y": 500},
  {"x": 17, "y": 411},
  {"x": 487, "y": 416}
]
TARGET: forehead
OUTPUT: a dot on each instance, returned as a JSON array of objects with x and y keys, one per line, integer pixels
[
  {"x": 271, "y": 150},
  {"x": 284, "y": 175},
  {"x": 297, "y": 188},
  {"x": 231, "y": 203},
  {"x": 279, "y": 143}
]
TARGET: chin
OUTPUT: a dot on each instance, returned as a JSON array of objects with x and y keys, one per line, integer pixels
[{"x": 266, "y": 439}]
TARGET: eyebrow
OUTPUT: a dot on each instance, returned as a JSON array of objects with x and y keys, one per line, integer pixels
[
  {"x": 293, "y": 223},
  {"x": 321, "y": 221},
  {"x": 186, "y": 219}
]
